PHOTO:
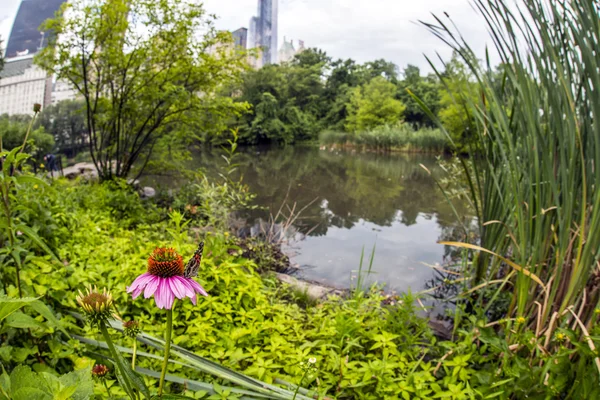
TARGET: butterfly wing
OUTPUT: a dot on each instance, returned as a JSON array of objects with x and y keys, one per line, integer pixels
[{"x": 191, "y": 268}]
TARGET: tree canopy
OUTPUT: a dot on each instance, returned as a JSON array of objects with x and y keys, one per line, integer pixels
[{"x": 142, "y": 68}]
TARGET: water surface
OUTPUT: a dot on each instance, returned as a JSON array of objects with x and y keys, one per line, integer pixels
[{"x": 350, "y": 202}]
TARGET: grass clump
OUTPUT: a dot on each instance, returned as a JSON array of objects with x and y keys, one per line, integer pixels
[{"x": 401, "y": 137}]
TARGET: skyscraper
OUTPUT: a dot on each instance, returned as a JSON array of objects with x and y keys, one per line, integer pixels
[
  {"x": 263, "y": 31},
  {"x": 25, "y": 36},
  {"x": 240, "y": 38}
]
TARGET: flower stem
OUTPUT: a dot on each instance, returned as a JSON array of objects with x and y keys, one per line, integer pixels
[
  {"x": 300, "y": 384},
  {"x": 107, "y": 388},
  {"x": 167, "y": 351},
  {"x": 134, "y": 353},
  {"x": 28, "y": 130}
]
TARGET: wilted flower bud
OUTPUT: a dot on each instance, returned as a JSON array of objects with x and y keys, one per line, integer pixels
[
  {"x": 99, "y": 371},
  {"x": 131, "y": 328},
  {"x": 96, "y": 305},
  {"x": 37, "y": 107}
]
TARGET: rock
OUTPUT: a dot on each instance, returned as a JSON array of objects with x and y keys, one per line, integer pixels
[
  {"x": 313, "y": 290},
  {"x": 87, "y": 170},
  {"x": 134, "y": 183},
  {"x": 148, "y": 192}
]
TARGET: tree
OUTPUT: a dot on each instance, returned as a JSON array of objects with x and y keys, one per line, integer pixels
[
  {"x": 13, "y": 130},
  {"x": 66, "y": 122},
  {"x": 374, "y": 104},
  {"x": 456, "y": 98},
  {"x": 141, "y": 68},
  {"x": 427, "y": 89}
]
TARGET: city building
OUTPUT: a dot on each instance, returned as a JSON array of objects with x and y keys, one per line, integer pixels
[
  {"x": 25, "y": 37},
  {"x": 63, "y": 91},
  {"x": 22, "y": 84},
  {"x": 288, "y": 51},
  {"x": 263, "y": 32},
  {"x": 240, "y": 38}
]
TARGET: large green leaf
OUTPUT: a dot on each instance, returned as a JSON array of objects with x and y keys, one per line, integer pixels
[
  {"x": 22, "y": 321},
  {"x": 45, "y": 312},
  {"x": 9, "y": 305},
  {"x": 31, "y": 234}
]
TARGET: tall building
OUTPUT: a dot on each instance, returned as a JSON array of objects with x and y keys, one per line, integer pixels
[
  {"x": 25, "y": 37},
  {"x": 263, "y": 32},
  {"x": 240, "y": 38},
  {"x": 22, "y": 84},
  {"x": 288, "y": 51}
]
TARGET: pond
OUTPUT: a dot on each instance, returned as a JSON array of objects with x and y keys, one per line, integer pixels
[{"x": 350, "y": 202}]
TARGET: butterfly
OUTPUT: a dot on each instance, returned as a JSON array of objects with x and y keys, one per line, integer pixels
[{"x": 191, "y": 268}]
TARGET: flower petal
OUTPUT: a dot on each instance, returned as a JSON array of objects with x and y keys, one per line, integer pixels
[
  {"x": 189, "y": 290},
  {"x": 158, "y": 295},
  {"x": 177, "y": 288},
  {"x": 196, "y": 286},
  {"x": 168, "y": 296},
  {"x": 151, "y": 287},
  {"x": 137, "y": 292},
  {"x": 141, "y": 280}
]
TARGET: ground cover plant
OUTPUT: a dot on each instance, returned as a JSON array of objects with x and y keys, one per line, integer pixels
[{"x": 73, "y": 252}]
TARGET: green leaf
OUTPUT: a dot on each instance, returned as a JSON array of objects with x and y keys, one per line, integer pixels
[
  {"x": 10, "y": 305},
  {"x": 36, "y": 239},
  {"x": 27, "y": 385},
  {"x": 22, "y": 321},
  {"x": 31, "y": 179},
  {"x": 45, "y": 312},
  {"x": 125, "y": 374},
  {"x": 79, "y": 384},
  {"x": 31, "y": 393}
]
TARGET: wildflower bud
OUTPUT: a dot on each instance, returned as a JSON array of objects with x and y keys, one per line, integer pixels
[
  {"x": 131, "y": 328},
  {"x": 99, "y": 371},
  {"x": 96, "y": 305},
  {"x": 37, "y": 107},
  {"x": 521, "y": 320}
]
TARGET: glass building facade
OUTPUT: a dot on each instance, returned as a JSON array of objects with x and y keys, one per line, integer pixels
[
  {"x": 26, "y": 36},
  {"x": 263, "y": 31}
]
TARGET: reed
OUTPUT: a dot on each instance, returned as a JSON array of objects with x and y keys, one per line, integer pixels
[
  {"x": 538, "y": 143},
  {"x": 400, "y": 137}
]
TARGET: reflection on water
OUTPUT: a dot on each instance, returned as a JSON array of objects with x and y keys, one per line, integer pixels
[{"x": 351, "y": 200}]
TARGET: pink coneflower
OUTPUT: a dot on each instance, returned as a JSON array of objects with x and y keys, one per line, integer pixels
[{"x": 165, "y": 280}]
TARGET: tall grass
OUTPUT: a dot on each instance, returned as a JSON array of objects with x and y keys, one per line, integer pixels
[
  {"x": 538, "y": 141},
  {"x": 390, "y": 138}
]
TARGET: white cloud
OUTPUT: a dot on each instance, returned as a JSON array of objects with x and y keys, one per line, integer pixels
[
  {"x": 359, "y": 29},
  {"x": 363, "y": 30}
]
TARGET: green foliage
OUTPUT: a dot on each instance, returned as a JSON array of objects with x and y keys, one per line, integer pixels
[
  {"x": 373, "y": 105},
  {"x": 13, "y": 130},
  {"x": 138, "y": 84},
  {"x": 66, "y": 122},
  {"x": 427, "y": 88},
  {"x": 25, "y": 384},
  {"x": 455, "y": 113},
  {"x": 287, "y": 100},
  {"x": 295, "y": 101},
  {"x": 400, "y": 137}
]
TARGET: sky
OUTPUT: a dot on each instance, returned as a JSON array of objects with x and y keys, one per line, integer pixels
[{"x": 363, "y": 30}]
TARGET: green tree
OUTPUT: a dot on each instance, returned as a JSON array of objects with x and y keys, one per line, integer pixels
[
  {"x": 427, "y": 89},
  {"x": 374, "y": 104},
  {"x": 66, "y": 122},
  {"x": 458, "y": 93},
  {"x": 13, "y": 129},
  {"x": 287, "y": 100},
  {"x": 141, "y": 67}
]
